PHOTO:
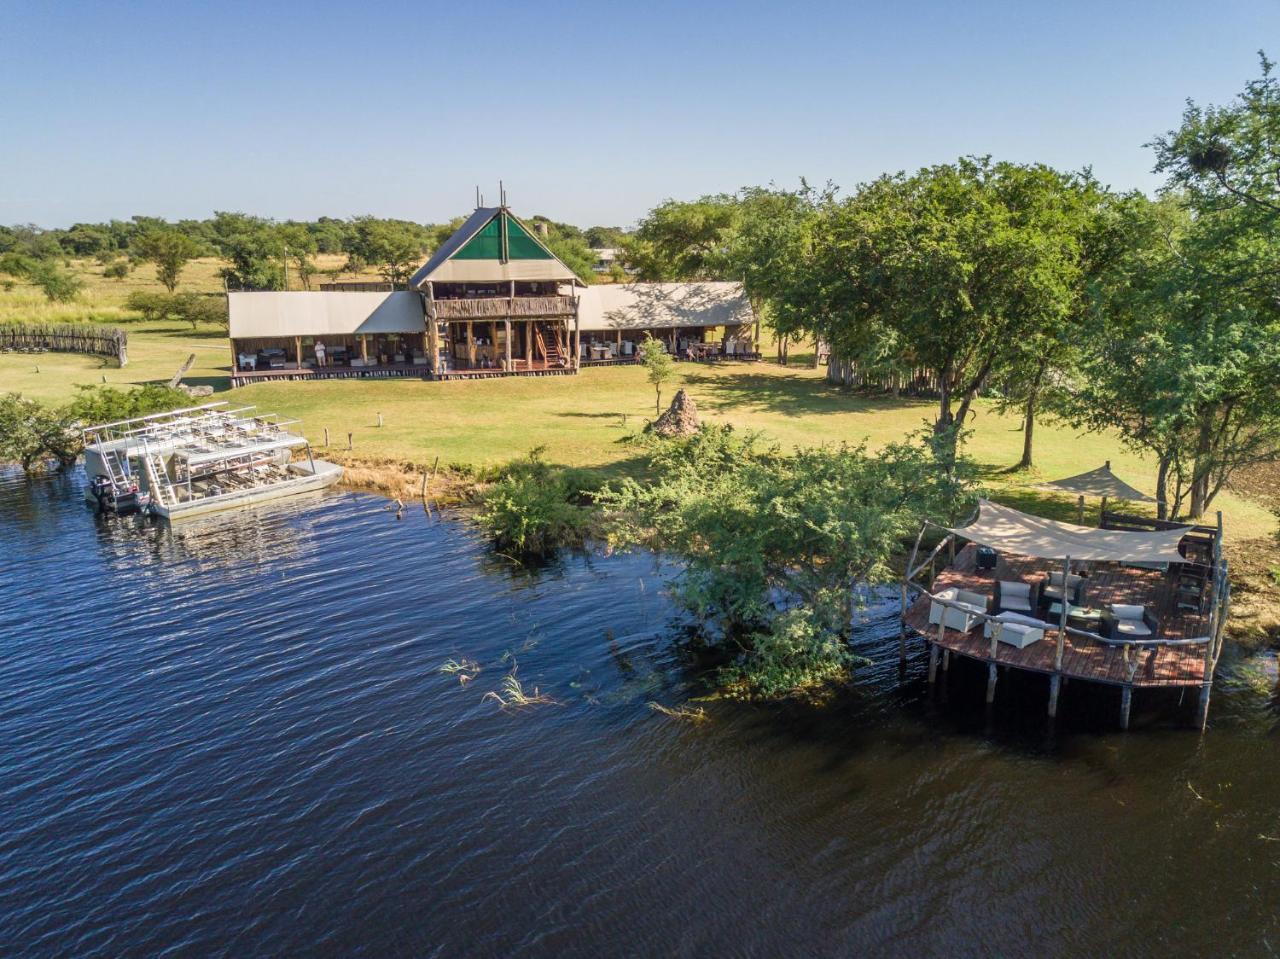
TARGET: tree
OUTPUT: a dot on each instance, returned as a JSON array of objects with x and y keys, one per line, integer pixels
[
  {"x": 254, "y": 251},
  {"x": 774, "y": 549},
  {"x": 394, "y": 247},
  {"x": 169, "y": 250},
  {"x": 951, "y": 269},
  {"x": 659, "y": 367},
  {"x": 58, "y": 284},
  {"x": 681, "y": 240},
  {"x": 300, "y": 247}
]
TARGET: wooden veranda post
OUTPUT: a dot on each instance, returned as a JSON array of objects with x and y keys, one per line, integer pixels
[
  {"x": 506, "y": 324},
  {"x": 471, "y": 344},
  {"x": 433, "y": 332},
  {"x": 577, "y": 331},
  {"x": 528, "y": 344}
]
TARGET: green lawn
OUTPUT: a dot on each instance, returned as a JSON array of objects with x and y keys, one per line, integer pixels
[{"x": 580, "y": 420}]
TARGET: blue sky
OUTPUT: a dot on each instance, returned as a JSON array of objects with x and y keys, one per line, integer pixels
[{"x": 591, "y": 112}]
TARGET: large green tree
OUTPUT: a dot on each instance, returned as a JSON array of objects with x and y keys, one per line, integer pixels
[{"x": 170, "y": 250}]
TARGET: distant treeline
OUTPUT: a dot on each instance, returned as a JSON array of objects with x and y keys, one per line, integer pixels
[{"x": 260, "y": 250}]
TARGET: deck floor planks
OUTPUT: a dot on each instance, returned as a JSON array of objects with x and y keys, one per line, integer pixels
[{"x": 1082, "y": 658}]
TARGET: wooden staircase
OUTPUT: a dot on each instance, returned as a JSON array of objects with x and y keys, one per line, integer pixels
[{"x": 552, "y": 353}]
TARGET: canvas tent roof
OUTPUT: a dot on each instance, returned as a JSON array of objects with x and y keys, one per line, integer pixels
[
  {"x": 474, "y": 253},
  {"x": 1099, "y": 482},
  {"x": 266, "y": 315},
  {"x": 1010, "y": 531},
  {"x": 641, "y": 306}
]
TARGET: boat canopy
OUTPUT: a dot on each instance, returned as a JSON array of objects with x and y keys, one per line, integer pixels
[
  {"x": 1008, "y": 530},
  {"x": 199, "y": 457}
]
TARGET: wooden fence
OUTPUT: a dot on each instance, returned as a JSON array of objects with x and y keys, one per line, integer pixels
[
  {"x": 65, "y": 338},
  {"x": 915, "y": 382}
]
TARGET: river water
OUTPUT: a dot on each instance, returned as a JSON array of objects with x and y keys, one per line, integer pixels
[{"x": 235, "y": 738}]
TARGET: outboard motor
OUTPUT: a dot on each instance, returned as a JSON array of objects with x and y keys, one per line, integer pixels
[{"x": 101, "y": 490}]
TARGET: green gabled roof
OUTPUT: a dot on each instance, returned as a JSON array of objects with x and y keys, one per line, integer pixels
[
  {"x": 493, "y": 235},
  {"x": 488, "y": 243}
]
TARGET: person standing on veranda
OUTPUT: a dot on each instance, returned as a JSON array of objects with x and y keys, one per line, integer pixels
[{"x": 319, "y": 354}]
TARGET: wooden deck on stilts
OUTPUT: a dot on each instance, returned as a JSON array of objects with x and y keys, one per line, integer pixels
[{"x": 1083, "y": 658}]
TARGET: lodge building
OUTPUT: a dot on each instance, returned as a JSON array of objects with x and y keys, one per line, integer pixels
[{"x": 493, "y": 300}]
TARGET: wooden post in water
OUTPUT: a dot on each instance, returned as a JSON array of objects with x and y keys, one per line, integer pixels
[
  {"x": 991, "y": 669},
  {"x": 1126, "y": 700},
  {"x": 933, "y": 662},
  {"x": 1055, "y": 682}
]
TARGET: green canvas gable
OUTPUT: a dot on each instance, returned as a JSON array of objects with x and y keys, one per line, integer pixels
[
  {"x": 485, "y": 245},
  {"x": 521, "y": 246}
]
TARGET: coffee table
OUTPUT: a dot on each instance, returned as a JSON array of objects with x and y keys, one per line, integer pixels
[{"x": 1081, "y": 617}]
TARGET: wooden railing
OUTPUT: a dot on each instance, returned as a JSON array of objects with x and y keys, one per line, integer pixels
[
  {"x": 65, "y": 338},
  {"x": 499, "y": 307}
]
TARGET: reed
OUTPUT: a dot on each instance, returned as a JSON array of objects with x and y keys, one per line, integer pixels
[
  {"x": 465, "y": 669},
  {"x": 693, "y": 714},
  {"x": 513, "y": 694}
]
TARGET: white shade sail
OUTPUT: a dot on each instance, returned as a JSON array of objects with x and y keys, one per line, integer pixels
[
  {"x": 1010, "y": 531},
  {"x": 1099, "y": 482}
]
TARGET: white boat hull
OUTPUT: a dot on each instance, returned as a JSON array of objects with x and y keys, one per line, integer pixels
[{"x": 326, "y": 474}]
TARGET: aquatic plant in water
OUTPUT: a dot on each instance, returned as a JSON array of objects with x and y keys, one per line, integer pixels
[{"x": 513, "y": 694}]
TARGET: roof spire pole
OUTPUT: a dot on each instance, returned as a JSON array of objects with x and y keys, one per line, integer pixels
[{"x": 477, "y": 196}]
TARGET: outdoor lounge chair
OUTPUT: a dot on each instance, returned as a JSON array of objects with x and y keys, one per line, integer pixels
[
  {"x": 964, "y": 615},
  {"x": 1014, "y": 629},
  {"x": 1017, "y": 596},
  {"x": 1128, "y": 622},
  {"x": 1051, "y": 592}
]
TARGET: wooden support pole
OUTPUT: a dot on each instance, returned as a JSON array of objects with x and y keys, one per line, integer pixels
[
  {"x": 1062, "y": 617},
  {"x": 506, "y": 335},
  {"x": 1080, "y": 509},
  {"x": 933, "y": 663},
  {"x": 364, "y": 347},
  {"x": 1202, "y": 707},
  {"x": 528, "y": 344},
  {"x": 297, "y": 350},
  {"x": 991, "y": 683},
  {"x": 946, "y": 660},
  {"x": 1126, "y": 701},
  {"x": 471, "y": 344},
  {"x": 1055, "y": 684},
  {"x": 1102, "y": 512}
]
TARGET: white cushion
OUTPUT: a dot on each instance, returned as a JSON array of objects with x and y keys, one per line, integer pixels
[
  {"x": 1132, "y": 627},
  {"x": 1122, "y": 611},
  {"x": 1010, "y": 590},
  {"x": 1055, "y": 579}
]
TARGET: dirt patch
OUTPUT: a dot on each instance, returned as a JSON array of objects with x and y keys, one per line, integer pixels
[
  {"x": 1254, "y": 621},
  {"x": 403, "y": 480}
]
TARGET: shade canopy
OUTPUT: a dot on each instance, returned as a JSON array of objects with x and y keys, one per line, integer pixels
[
  {"x": 1010, "y": 531},
  {"x": 278, "y": 314},
  {"x": 1099, "y": 482},
  {"x": 649, "y": 306}
]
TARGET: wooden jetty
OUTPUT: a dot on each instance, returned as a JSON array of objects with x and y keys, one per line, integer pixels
[{"x": 1185, "y": 598}]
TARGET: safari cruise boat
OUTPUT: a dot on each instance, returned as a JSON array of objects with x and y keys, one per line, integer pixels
[{"x": 199, "y": 460}]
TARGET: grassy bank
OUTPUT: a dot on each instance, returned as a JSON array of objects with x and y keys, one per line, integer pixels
[{"x": 585, "y": 420}]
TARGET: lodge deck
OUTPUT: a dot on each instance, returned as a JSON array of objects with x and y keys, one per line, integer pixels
[
  {"x": 394, "y": 371},
  {"x": 1083, "y": 658},
  {"x": 389, "y": 371}
]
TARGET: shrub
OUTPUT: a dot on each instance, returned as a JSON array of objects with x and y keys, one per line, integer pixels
[
  {"x": 106, "y": 404},
  {"x": 117, "y": 270},
  {"x": 57, "y": 284},
  {"x": 30, "y": 432},
  {"x": 773, "y": 547},
  {"x": 533, "y": 509}
]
